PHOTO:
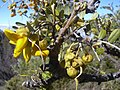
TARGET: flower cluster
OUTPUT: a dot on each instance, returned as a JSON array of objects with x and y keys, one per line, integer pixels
[{"x": 26, "y": 43}]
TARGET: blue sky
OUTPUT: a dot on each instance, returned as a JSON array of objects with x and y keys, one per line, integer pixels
[{"x": 5, "y": 18}]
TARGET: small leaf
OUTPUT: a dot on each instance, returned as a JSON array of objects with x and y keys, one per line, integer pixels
[
  {"x": 19, "y": 24},
  {"x": 48, "y": 10},
  {"x": 102, "y": 34},
  {"x": 94, "y": 16},
  {"x": 100, "y": 51},
  {"x": 42, "y": 18},
  {"x": 57, "y": 27},
  {"x": 67, "y": 10},
  {"x": 46, "y": 75},
  {"x": 14, "y": 27},
  {"x": 82, "y": 14},
  {"x": 30, "y": 27},
  {"x": 107, "y": 7},
  {"x": 52, "y": 1},
  {"x": 50, "y": 18},
  {"x": 58, "y": 9},
  {"x": 61, "y": 14},
  {"x": 36, "y": 23},
  {"x": 114, "y": 35}
]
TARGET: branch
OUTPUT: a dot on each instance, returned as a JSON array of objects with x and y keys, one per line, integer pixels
[
  {"x": 98, "y": 78},
  {"x": 112, "y": 45},
  {"x": 84, "y": 78},
  {"x": 92, "y": 6},
  {"x": 62, "y": 30}
]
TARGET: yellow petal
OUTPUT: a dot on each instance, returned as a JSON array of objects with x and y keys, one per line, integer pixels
[
  {"x": 33, "y": 43},
  {"x": 27, "y": 52},
  {"x": 16, "y": 54},
  {"x": 43, "y": 53},
  {"x": 43, "y": 44},
  {"x": 11, "y": 35},
  {"x": 12, "y": 42},
  {"x": 34, "y": 49},
  {"x": 22, "y": 31},
  {"x": 33, "y": 38},
  {"x": 20, "y": 45}
]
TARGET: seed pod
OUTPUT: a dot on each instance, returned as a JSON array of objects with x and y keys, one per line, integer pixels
[
  {"x": 19, "y": 11},
  {"x": 74, "y": 64},
  {"x": 69, "y": 56},
  {"x": 87, "y": 58},
  {"x": 114, "y": 36},
  {"x": 72, "y": 72},
  {"x": 67, "y": 64},
  {"x": 102, "y": 34},
  {"x": 25, "y": 6},
  {"x": 79, "y": 61},
  {"x": 13, "y": 14}
]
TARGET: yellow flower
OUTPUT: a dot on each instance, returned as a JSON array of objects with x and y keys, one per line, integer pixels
[
  {"x": 20, "y": 45},
  {"x": 27, "y": 52},
  {"x": 12, "y": 36},
  {"x": 26, "y": 43},
  {"x": 17, "y": 39},
  {"x": 22, "y": 31},
  {"x": 40, "y": 49}
]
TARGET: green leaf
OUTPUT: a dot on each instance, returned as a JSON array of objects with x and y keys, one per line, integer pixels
[
  {"x": 114, "y": 35},
  {"x": 94, "y": 16},
  {"x": 46, "y": 75},
  {"x": 67, "y": 10},
  {"x": 102, "y": 34},
  {"x": 19, "y": 24},
  {"x": 82, "y": 14},
  {"x": 107, "y": 7},
  {"x": 48, "y": 10},
  {"x": 36, "y": 22},
  {"x": 52, "y": 1},
  {"x": 14, "y": 27},
  {"x": 100, "y": 51},
  {"x": 50, "y": 18},
  {"x": 29, "y": 26},
  {"x": 61, "y": 14},
  {"x": 58, "y": 9},
  {"x": 42, "y": 18}
]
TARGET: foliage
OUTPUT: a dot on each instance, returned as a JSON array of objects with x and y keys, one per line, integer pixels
[
  {"x": 24, "y": 71},
  {"x": 58, "y": 30}
]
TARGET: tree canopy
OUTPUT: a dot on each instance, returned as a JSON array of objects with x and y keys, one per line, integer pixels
[{"x": 61, "y": 43}]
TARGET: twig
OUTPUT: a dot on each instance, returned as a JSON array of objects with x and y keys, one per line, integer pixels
[
  {"x": 84, "y": 78},
  {"x": 98, "y": 78},
  {"x": 110, "y": 44},
  {"x": 95, "y": 53},
  {"x": 40, "y": 54},
  {"x": 62, "y": 30}
]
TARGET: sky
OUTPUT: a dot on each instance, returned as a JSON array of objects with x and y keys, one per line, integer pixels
[{"x": 5, "y": 18}]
